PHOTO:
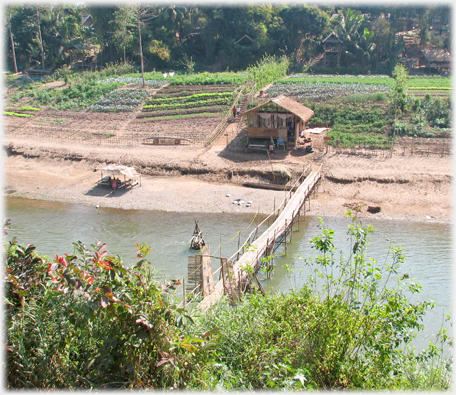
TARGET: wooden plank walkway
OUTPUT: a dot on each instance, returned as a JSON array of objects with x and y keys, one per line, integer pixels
[{"x": 266, "y": 240}]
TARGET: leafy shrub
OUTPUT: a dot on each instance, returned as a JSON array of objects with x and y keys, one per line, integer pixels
[
  {"x": 346, "y": 328},
  {"x": 86, "y": 321}
]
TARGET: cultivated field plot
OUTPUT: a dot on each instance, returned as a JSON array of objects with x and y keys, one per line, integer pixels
[
  {"x": 120, "y": 100},
  {"x": 197, "y": 130},
  {"x": 308, "y": 87},
  {"x": 178, "y": 101},
  {"x": 318, "y": 91},
  {"x": 110, "y": 123},
  {"x": 55, "y": 124}
]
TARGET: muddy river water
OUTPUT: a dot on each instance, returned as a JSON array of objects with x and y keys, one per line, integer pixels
[{"x": 53, "y": 227}]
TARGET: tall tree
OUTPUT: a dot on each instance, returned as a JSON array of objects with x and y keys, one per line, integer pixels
[
  {"x": 38, "y": 23},
  {"x": 139, "y": 16},
  {"x": 8, "y": 12},
  {"x": 122, "y": 30}
]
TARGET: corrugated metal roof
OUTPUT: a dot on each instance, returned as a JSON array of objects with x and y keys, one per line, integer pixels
[{"x": 303, "y": 112}]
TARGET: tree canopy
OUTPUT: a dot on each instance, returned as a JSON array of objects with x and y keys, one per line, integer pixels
[{"x": 213, "y": 37}]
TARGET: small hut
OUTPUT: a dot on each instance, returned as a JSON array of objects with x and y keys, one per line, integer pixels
[
  {"x": 435, "y": 59},
  {"x": 280, "y": 117},
  {"x": 332, "y": 46}
]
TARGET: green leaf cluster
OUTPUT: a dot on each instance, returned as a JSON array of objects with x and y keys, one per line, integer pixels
[
  {"x": 348, "y": 327},
  {"x": 86, "y": 321}
]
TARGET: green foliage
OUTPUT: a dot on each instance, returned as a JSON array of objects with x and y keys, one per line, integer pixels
[
  {"x": 346, "y": 328},
  {"x": 190, "y": 98},
  {"x": 398, "y": 91},
  {"x": 268, "y": 70},
  {"x": 17, "y": 114},
  {"x": 86, "y": 321},
  {"x": 191, "y": 103},
  {"x": 209, "y": 79},
  {"x": 27, "y": 108},
  {"x": 368, "y": 140},
  {"x": 76, "y": 96}
]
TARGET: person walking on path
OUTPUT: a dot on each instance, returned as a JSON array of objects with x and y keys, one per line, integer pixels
[{"x": 234, "y": 112}]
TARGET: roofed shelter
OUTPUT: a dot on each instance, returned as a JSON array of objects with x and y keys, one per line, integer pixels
[
  {"x": 435, "y": 59},
  {"x": 280, "y": 117},
  {"x": 130, "y": 175}
]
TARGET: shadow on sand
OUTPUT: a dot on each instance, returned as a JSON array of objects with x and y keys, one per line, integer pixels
[{"x": 107, "y": 191}]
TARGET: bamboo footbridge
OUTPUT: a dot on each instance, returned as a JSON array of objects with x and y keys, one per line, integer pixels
[{"x": 233, "y": 270}]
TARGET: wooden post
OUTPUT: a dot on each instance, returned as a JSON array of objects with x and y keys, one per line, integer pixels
[
  {"x": 183, "y": 288},
  {"x": 291, "y": 227},
  {"x": 222, "y": 263},
  {"x": 286, "y": 227}
]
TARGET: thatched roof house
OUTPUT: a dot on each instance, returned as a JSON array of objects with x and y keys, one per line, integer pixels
[
  {"x": 435, "y": 58},
  {"x": 279, "y": 117}
]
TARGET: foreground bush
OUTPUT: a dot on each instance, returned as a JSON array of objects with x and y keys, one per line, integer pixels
[
  {"x": 347, "y": 328},
  {"x": 87, "y": 321}
]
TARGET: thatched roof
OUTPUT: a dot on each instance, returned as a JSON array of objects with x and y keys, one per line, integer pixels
[
  {"x": 288, "y": 104},
  {"x": 436, "y": 55}
]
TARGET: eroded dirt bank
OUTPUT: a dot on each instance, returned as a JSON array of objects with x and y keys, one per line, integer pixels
[{"x": 189, "y": 179}]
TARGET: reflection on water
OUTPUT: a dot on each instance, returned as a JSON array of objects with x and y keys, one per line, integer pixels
[{"x": 53, "y": 227}]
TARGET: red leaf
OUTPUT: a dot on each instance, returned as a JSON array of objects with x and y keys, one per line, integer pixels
[
  {"x": 52, "y": 267},
  {"x": 63, "y": 261}
]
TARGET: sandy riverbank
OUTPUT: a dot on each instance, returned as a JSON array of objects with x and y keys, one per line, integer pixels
[{"x": 179, "y": 179}]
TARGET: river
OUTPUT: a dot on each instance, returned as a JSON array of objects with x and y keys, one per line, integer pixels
[{"x": 53, "y": 227}]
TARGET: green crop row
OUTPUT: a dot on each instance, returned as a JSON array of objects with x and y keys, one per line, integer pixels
[
  {"x": 429, "y": 88},
  {"x": 412, "y": 82},
  {"x": 27, "y": 108},
  {"x": 189, "y": 98},
  {"x": 210, "y": 79},
  {"x": 368, "y": 140},
  {"x": 17, "y": 114},
  {"x": 189, "y": 104}
]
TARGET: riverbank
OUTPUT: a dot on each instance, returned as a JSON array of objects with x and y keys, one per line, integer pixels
[{"x": 180, "y": 179}]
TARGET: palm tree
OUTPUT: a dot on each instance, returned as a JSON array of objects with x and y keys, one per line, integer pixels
[
  {"x": 366, "y": 46},
  {"x": 347, "y": 26}
]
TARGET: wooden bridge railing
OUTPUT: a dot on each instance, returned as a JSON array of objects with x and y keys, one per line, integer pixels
[{"x": 285, "y": 215}]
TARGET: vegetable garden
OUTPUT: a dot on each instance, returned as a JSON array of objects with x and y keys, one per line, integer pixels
[{"x": 360, "y": 113}]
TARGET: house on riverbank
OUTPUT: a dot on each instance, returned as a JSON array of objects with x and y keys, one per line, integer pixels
[{"x": 278, "y": 118}]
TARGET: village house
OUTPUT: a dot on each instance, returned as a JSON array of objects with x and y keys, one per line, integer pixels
[
  {"x": 435, "y": 59},
  {"x": 279, "y": 120},
  {"x": 332, "y": 46}
]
